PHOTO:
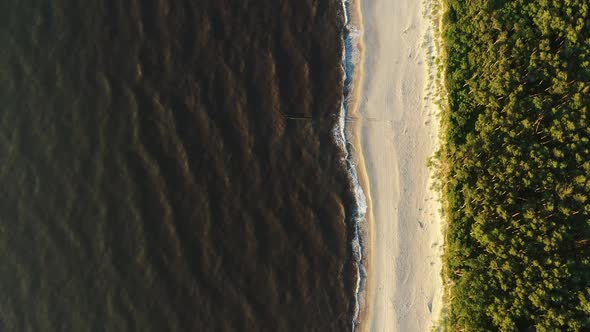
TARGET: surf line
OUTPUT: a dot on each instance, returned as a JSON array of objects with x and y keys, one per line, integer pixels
[{"x": 350, "y": 58}]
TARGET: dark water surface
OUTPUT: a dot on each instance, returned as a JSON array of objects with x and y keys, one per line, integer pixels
[{"x": 149, "y": 179}]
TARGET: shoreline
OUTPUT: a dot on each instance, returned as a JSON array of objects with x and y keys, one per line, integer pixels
[
  {"x": 348, "y": 132},
  {"x": 355, "y": 100},
  {"x": 358, "y": 158}
]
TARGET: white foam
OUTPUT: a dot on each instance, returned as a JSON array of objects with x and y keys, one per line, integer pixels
[{"x": 350, "y": 58}]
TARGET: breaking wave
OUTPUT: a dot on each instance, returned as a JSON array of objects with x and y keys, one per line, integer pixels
[{"x": 350, "y": 58}]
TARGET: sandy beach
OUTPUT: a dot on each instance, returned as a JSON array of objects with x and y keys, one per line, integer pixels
[{"x": 398, "y": 132}]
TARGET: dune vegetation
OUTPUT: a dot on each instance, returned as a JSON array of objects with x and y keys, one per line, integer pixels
[{"x": 516, "y": 165}]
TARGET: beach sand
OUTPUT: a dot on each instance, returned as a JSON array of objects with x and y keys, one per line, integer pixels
[{"x": 398, "y": 133}]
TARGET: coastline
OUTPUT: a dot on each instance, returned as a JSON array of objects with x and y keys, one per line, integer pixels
[
  {"x": 347, "y": 133},
  {"x": 396, "y": 133},
  {"x": 357, "y": 155}
]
